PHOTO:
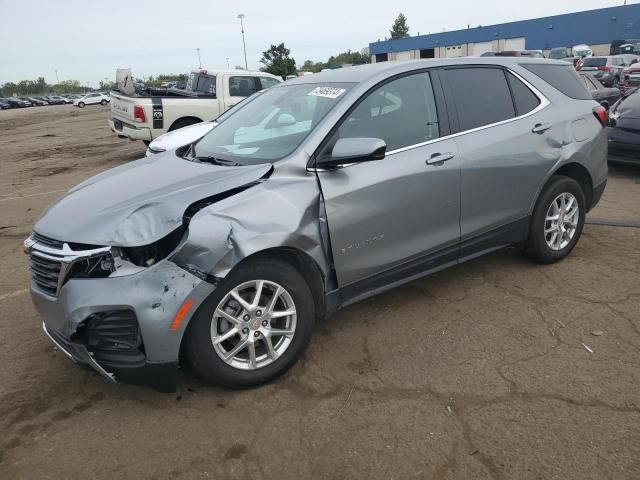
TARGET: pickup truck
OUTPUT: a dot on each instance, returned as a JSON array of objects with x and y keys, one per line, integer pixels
[{"x": 208, "y": 94}]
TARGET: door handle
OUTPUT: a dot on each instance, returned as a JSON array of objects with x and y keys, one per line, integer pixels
[
  {"x": 439, "y": 158},
  {"x": 541, "y": 127}
]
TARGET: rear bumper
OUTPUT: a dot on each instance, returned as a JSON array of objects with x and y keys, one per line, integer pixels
[{"x": 130, "y": 131}]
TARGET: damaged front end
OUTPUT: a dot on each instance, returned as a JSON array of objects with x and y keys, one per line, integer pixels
[{"x": 121, "y": 300}]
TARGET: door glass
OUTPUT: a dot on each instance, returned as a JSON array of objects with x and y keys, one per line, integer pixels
[
  {"x": 481, "y": 95},
  {"x": 242, "y": 86},
  {"x": 268, "y": 82},
  {"x": 524, "y": 98},
  {"x": 402, "y": 113}
]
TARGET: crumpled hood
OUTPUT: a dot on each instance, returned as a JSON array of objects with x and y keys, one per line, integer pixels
[{"x": 140, "y": 202}]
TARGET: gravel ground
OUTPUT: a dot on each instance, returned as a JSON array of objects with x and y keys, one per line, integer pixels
[{"x": 479, "y": 371}]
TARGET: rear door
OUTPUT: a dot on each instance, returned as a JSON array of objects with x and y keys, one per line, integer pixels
[
  {"x": 503, "y": 152},
  {"x": 400, "y": 215}
]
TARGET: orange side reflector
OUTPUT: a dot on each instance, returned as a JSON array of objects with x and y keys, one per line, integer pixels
[{"x": 180, "y": 314}]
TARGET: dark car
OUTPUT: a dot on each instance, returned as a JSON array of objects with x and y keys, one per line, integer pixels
[
  {"x": 4, "y": 105},
  {"x": 17, "y": 103},
  {"x": 55, "y": 100},
  {"x": 605, "y": 96},
  {"x": 606, "y": 69},
  {"x": 623, "y": 128}
]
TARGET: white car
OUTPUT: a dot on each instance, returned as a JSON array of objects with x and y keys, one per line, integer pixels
[
  {"x": 92, "y": 99},
  {"x": 179, "y": 138}
]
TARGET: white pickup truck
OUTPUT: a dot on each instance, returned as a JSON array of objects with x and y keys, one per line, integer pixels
[{"x": 208, "y": 93}]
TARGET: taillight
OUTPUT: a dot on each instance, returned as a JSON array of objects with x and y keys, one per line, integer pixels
[
  {"x": 601, "y": 114},
  {"x": 138, "y": 114},
  {"x": 605, "y": 68}
]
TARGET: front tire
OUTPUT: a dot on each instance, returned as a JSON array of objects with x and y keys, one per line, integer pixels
[
  {"x": 253, "y": 327},
  {"x": 81, "y": 105},
  {"x": 557, "y": 221},
  {"x": 103, "y": 102}
]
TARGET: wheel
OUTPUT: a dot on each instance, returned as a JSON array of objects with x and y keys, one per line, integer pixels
[
  {"x": 103, "y": 102},
  {"x": 81, "y": 104},
  {"x": 253, "y": 327},
  {"x": 183, "y": 122},
  {"x": 557, "y": 221}
]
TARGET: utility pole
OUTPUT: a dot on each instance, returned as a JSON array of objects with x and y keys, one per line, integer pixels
[
  {"x": 244, "y": 45},
  {"x": 227, "y": 63},
  {"x": 199, "y": 61}
]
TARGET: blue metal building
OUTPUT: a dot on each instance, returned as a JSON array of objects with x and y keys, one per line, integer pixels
[{"x": 593, "y": 27}]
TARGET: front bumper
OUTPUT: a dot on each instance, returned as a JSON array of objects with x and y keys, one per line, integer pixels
[
  {"x": 131, "y": 131},
  {"x": 154, "y": 296}
]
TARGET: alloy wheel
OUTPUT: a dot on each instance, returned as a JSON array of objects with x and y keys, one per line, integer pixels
[
  {"x": 561, "y": 221},
  {"x": 253, "y": 325}
]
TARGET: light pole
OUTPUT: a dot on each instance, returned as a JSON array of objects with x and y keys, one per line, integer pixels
[
  {"x": 57, "y": 79},
  {"x": 199, "y": 61},
  {"x": 227, "y": 63},
  {"x": 244, "y": 45}
]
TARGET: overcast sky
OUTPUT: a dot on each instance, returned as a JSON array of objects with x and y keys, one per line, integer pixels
[{"x": 87, "y": 40}]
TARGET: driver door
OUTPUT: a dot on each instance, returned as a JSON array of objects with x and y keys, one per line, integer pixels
[{"x": 394, "y": 218}]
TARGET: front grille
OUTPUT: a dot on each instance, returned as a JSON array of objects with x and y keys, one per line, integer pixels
[
  {"x": 45, "y": 274},
  {"x": 49, "y": 242}
]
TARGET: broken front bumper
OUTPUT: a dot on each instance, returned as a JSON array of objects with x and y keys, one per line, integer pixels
[{"x": 126, "y": 327}]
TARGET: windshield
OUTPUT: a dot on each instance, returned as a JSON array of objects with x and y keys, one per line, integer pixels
[{"x": 269, "y": 126}]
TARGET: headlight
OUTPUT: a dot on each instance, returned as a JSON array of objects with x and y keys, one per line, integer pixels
[{"x": 148, "y": 255}]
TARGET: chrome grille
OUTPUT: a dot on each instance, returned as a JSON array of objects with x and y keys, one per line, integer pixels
[
  {"x": 53, "y": 261},
  {"x": 45, "y": 273}
]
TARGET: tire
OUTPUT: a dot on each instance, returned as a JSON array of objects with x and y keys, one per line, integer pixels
[
  {"x": 239, "y": 372},
  {"x": 103, "y": 102},
  {"x": 183, "y": 122},
  {"x": 81, "y": 105},
  {"x": 544, "y": 247}
]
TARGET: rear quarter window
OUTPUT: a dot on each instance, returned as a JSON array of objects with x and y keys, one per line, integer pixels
[{"x": 562, "y": 78}]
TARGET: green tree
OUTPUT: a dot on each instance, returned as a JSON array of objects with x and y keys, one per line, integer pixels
[
  {"x": 277, "y": 61},
  {"x": 400, "y": 28}
]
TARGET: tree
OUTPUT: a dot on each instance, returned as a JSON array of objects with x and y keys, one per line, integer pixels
[
  {"x": 277, "y": 61},
  {"x": 400, "y": 28}
]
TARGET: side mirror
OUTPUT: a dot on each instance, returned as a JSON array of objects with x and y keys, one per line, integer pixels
[{"x": 355, "y": 150}]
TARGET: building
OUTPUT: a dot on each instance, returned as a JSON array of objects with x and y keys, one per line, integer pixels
[{"x": 596, "y": 28}]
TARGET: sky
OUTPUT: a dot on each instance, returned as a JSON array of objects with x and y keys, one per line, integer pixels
[{"x": 87, "y": 40}]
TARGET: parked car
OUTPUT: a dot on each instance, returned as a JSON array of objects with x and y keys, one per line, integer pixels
[
  {"x": 605, "y": 96},
  {"x": 36, "y": 101},
  {"x": 208, "y": 94},
  {"x": 623, "y": 128},
  {"x": 16, "y": 102},
  {"x": 631, "y": 76},
  {"x": 56, "y": 100},
  {"x": 43, "y": 100},
  {"x": 559, "y": 53},
  {"x": 27, "y": 101},
  {"x": 629, "y": 59},
  {"x": 179, "y": 138},
  {"x": 607, "y": 70},
  {"x": 4, "y": 105},
  {"x": 91, "y": 99},
  {"x": 357, "y": 180}
]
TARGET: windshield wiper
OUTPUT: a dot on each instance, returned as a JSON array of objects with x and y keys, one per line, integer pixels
[{"x": 215, "y": 161}]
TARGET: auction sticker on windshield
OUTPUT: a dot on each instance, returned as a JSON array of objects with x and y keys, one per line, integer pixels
[{"x": 328, "y": 92}]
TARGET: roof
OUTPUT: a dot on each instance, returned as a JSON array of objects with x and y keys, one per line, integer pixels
[
  {"x": 594, "y": 27},
  {"x": 361, "y": 73},
  {"x": 232, "y": 71}
]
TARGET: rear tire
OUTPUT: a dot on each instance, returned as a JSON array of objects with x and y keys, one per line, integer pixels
[
  {"x": 81, "y": 105},
  {"x": 254, "y": 363},
  {"x": 103, "y": 102},
  {"x": 555, "y": 225}
]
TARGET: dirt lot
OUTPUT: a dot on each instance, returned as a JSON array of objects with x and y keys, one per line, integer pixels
[{"x": 476, "y": 372}]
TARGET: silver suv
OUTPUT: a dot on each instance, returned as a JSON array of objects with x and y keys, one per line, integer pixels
[{"x": 308, "y": 197}]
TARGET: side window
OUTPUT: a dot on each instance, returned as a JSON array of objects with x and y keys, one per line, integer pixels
[
  {"x": 563, "y": 78},
  {"x": 482, "y": 96},
  {"x": 524, "y": 98},
  {"x": 268, "y": 82},
  {"x": 242, "y": 86},
  {"x": 401, "y": 112}
]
